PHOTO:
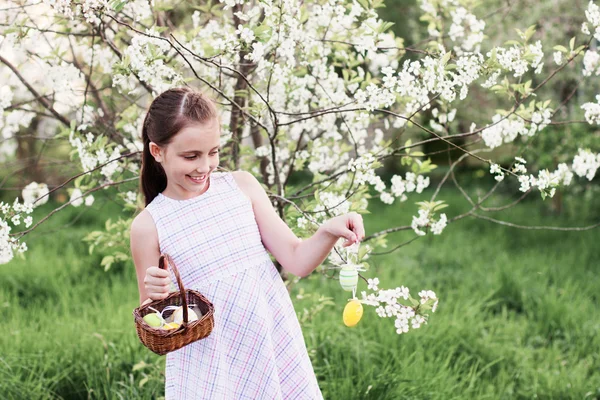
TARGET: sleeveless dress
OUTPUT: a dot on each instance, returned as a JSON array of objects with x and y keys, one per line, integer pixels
[{"x": 256, "y": 349}]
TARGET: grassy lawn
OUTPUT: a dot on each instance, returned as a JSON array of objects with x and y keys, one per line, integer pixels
[{"x": 518, "y": 315}]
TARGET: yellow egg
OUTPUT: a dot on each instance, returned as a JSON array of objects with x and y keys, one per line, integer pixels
[
  {"x": 171, "y": 325},
  {"x": 352, "y": 313}
]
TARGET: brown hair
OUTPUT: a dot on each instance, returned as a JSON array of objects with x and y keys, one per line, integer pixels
[{"x": 170, "y": 112}]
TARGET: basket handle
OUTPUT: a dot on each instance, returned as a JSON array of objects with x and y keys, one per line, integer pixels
[{"x": 163, "y": 265}]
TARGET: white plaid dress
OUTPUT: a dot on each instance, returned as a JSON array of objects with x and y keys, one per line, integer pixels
[{"x": 256, "y": 349}]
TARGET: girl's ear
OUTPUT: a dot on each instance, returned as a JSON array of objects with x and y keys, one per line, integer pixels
[{"x": 156, "y": 151}]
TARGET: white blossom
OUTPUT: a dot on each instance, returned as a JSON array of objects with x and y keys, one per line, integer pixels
[
  {"x": 584, "y": 29},
  {"x": 438, "y": 226},
  {"x": 525, "y": 183},
  {"x": 586, "y": 163},
  {"x": 34, "y": 191},
  {"x": 592, "y": 111},
  {"x": 591, "y": 63},
  {"x": 76, "y": 198},
  {"x": 386, "y": 198},
  {"x": 593, "y": 16},
  {"x": 372, "y": 283},
  {"x": 558, "y": 57}
]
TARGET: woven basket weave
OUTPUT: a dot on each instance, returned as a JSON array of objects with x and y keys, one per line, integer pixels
[{"x": 162, "y": 341}]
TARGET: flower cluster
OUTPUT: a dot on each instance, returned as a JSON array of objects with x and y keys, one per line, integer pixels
[
  {"x": 507, "y": 129},
  {"x": 92, "y": 154},
  {"x": 77, "y": 199},
  {"x": 14, "y": 214},
  {"x": 591, "y": 63},
  {"x": 495, "y": 169},
  {"x": 546, "y": 181},
  {"x": 35, "y": 194},
  {"x": 411, "y": 183},
  {"x": 513, "y": 58},
  {"x": 593, "y": 16},
  {"x": 558, "y": 57},
  {"x": 592, "y": 111},
  {"x": 468, "y": 28},
  {"x": 388, "y": 305},
  {"x": 88, "y": 8},
  {"x": 442, "y": 118},
  {"x": 426, "y": 219},
  {"x": 146, "y": 54},
  {"x": 586, "y": 164},
  {"x": 10, "y": 122}
]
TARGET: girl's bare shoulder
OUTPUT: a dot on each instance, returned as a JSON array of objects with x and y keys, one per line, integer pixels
[
  {"x": 143, "y": 225},
  {"x": 248, "y": 184}
]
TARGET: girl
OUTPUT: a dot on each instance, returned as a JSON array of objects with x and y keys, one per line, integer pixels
[{"x": 217, "y": 227}]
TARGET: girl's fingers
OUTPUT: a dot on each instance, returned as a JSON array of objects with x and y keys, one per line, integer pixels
[
  {"x": 151, "y": 280},
  {"x": 359, "y": 227},
  {"x": 157, "y": 289}
]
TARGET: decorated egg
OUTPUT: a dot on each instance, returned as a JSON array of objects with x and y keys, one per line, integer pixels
[
  {"x": 348, "y": 277},
  {"x": 178, "y": 315},
  {"x": 170, "y": 326},
  {"x": 352, "y": 313},
  {"x": 154, "y": 320}
]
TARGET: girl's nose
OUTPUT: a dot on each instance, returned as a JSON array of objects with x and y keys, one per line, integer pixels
[{"x": 203, "y": 166}]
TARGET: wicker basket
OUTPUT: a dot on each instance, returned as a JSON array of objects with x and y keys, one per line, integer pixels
[{"x": 162, "y": 341}]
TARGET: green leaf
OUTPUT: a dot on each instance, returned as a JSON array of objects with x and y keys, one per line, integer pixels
[
  {"x": 512, "y": 42},
  {"x": 529, "y": 32},
  {"x": 385, "y": 26},
  {"x": 561, "y": 48},
  {"x": 572, "y": 43},
  {"x": 440, "y": 207},
  {"x": 446, "y": 57},
  {"x": 117, "y": 5},
  {"x": 362, "y": 251},
  {"x": 364, "y": 4}
]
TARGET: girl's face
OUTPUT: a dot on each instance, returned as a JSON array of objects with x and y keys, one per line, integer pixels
[{"x": 189, "y": 159}]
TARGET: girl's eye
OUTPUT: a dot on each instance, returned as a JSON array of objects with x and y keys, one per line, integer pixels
[{"x": 214, "y": 153}]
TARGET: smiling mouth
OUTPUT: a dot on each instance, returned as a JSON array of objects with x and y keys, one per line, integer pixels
[{"x": 197, "y": 179}]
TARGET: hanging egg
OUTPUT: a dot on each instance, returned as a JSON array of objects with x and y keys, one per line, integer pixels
[
  {"x": 352, "y": 313},
  {"x": 348, "y": 277}
]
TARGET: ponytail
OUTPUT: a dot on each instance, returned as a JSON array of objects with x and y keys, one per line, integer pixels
[{"x": 153, "y": 179}]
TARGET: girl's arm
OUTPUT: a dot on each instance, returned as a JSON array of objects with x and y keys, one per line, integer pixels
[{"x": 300, "y": 257}]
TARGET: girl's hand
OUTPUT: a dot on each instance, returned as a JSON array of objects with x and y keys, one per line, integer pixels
[
  {"x": 157, "y": 283},
  {"x": 349, "y": 226}
]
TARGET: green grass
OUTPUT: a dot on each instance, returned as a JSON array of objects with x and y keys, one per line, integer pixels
[{"x": 518, "y": 316}]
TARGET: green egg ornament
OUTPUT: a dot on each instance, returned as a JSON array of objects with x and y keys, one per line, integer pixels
[
  {"x": 348, "y": 277},
  {"x": 153, "y": 319}
]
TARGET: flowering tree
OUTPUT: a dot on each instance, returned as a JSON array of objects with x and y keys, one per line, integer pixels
[{"x": 320, "y": 89}]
